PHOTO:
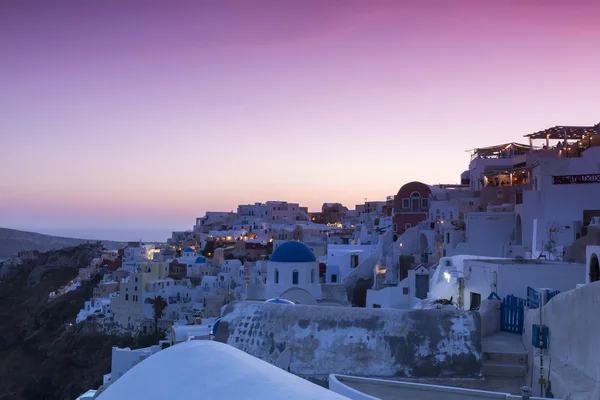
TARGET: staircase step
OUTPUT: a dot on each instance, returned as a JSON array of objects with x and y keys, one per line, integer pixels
[
  {"x": 504, "y": 358},
  {"x": 506, "y": 370}
]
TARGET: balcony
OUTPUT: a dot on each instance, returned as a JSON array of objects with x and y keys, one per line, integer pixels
[
  {"x": 411, "y": 210},
  {"x": 575, "y": 179}
]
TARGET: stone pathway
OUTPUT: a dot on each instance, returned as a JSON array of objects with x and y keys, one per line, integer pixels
[{"x": 504, "y": 362}]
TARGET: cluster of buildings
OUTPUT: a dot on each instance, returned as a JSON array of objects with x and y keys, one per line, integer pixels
[{"x": 523, "y": 219}]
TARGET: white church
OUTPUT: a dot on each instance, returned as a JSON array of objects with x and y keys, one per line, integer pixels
[{"x": 293, "y": 266}]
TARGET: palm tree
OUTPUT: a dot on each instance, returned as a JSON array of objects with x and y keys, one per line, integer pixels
[{"x": 158, "y": 305}]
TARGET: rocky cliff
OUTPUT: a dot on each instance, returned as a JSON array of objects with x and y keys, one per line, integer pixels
[
  {"x": 41, "y": 355},
  {"x": 13, "y": 241}
]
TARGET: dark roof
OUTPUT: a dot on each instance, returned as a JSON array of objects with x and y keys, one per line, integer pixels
[{"x": 558, "y": 132}]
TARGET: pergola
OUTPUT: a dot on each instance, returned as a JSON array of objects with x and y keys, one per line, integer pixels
[
  {"x": 563, "y": 133},
  {"x": 498, "y": 149}
]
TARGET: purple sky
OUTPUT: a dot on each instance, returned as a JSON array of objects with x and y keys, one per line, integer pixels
[{"x": 145, "y": 114}]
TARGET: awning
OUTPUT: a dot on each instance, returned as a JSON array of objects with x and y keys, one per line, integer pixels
[{"x": 491, "y": 150}]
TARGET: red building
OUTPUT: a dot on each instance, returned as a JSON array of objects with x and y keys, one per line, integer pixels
[{"x": 411, "y": 206}]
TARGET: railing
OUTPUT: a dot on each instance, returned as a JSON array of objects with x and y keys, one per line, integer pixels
[
  {"x": 575, "y": 179},
  {"x": 411, "y": 210},
  {"x": 358, "y": 388}
]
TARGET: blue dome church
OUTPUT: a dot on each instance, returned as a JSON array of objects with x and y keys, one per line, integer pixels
[{"x": 293, "y": 265}]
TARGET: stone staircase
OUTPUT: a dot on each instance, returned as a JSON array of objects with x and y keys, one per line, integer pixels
[
  {"x": 504, "y": 356},
  {"x": 504, "y": 364}
]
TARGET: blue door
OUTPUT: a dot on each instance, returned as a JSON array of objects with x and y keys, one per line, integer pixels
[
  {"x": 422, "y": 286},
  {"x": 512, "y": 314}
]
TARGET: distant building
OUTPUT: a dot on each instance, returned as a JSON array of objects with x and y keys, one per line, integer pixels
[{"x": 411, "y": 206}]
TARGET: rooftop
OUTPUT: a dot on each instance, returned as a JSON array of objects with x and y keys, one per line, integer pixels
[
  {"x": 559, "y": 132},
  {"x": 505, "y": 150},
  {"x": 226, "y": 373},
  {"x": 293, "y": 252}
]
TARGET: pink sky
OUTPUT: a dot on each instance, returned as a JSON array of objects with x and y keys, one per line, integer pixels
[{"x": 145, "y": 115}]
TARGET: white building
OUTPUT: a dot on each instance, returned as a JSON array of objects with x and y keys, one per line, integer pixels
[
  {"x": 407, "y": 294},
  {"x": 123, "y": 359},
  {"x": 553, "y": 209},
  {"x": 195, "y": 266},
  {"x": 470, "y": 279},
  {"x": 99, "y": 307},
  {"x": 342, "y": 259},
  {"x": 284, "y": 212},
  {"x": 134, "y": 254},
  {"x": 179, "y": 295}
]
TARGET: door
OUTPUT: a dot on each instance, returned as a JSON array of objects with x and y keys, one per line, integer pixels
[
  {"x": 512, "y": 313},
  {"x": 422, "y": 286}
]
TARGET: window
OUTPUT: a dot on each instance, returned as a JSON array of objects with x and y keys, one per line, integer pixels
[
  {"x": 395, "y": 227},
  {"x": 415, "y": 201},
  {"x": 376, "y": 305},
  {"x": 312, "y": 276},
  {"x": 333, "y": 278},
  {"x": 475, "y": 301},
  {"x": 407, "y": 226},
  {"x": 519, "y": 198},
  {"x": 404, "y": 290},
  {"x": 405, "y": 203},
  {"x": 295, "y": 277},
  {"x": 424, "y": 203},
  {"x": 126, "y": 297},
  {"x": 276, "y": 275}
]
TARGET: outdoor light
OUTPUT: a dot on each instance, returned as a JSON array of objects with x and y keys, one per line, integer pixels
[{"x": 447, "y": 276}]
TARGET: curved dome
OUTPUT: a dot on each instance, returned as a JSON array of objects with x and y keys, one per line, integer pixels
[
  {"x": 200, "y": 260},
  {"x": 293, "y": 252},
  {"x": 465, "y": 175},
  {"x": 279, "y": 301},
  {"x": 188, "y": 250}
]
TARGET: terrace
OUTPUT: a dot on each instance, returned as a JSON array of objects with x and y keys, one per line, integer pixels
[
  {"x": 501, "y": 151},
  {"x": 569, "y": 141},
  {"x": 507, "y": 177}
]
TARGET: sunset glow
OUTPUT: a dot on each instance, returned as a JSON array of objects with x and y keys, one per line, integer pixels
[{"x": 146, "y": 115}]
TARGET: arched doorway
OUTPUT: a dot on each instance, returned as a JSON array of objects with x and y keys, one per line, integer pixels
[
  {"x": 519, "y": 231},
  {"x": 594, "y": 269},
  {"x": 358, "y": 295}
]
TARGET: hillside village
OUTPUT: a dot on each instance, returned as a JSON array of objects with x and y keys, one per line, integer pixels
[{"x": 508, "y": 256}]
